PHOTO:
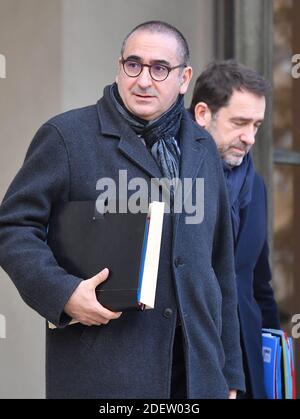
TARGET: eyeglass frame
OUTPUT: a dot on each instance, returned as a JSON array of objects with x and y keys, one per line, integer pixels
[{"x": 123, "y": 61}]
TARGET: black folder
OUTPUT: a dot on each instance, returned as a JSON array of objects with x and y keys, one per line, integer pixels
[{"x": 84, "y": 242}]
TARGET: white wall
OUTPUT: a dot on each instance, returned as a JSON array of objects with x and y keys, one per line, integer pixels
[
  {"x": 30, "y": 39},
  {"x": 95, "y": 29},
  {"x": 59, "y": 55}
]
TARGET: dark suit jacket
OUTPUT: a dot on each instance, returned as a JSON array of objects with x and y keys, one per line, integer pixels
[
  {"x": 130, "y": 357},
  {"x": 257, "y": 307}
]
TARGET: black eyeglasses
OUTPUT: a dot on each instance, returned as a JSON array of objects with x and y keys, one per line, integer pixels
[{"x": 158, "y": 72}]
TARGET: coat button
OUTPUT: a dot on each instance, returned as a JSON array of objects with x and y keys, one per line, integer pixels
[
  {"x": 178, "y": 262},
  {"x": 168, "y": 312}
]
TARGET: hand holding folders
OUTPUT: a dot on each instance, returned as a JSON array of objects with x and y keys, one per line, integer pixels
[{"x": 83, "y": 305}]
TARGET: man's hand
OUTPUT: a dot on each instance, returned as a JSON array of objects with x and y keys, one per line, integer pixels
[
  {"x": 232, "y": 394},
  {"x": 83, "y": 305}
]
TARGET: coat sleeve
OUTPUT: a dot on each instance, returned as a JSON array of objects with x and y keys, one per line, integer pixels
[
  {"x": 223, "y": 264},
  {"x": 24, "y": 213},
  {"x": 263, "y": 292}
]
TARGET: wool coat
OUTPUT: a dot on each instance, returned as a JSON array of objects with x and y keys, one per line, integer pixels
[
  {"x": 130, "y": 357},
  {"x": 256, "y": 304}
]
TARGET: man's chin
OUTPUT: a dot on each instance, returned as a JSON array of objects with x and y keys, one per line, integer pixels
[
  {"x": 143, "y": 111},
  {"x": 234, "y": 161}
]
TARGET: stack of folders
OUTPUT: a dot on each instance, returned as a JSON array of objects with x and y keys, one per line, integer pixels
[
  {"x": 84, "y": 242},
  {"x": 279, "y": 371}
]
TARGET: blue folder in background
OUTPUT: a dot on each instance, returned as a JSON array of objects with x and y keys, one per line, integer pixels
[
  {"x": 271, "y": 351},
  {"x": 278, "y": 360}
]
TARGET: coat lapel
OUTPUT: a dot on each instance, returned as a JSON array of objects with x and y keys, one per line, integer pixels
[
  {"x": 130, "y": 145},
  {"x": 134, "y": 149},
  {"x": 192, "y": 151},
  {"x": 240, "y": 238}
]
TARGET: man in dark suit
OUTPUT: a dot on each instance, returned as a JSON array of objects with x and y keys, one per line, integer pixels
[
  {"x": 139, "y": 125},
  {"x": 229, "y": 101}
]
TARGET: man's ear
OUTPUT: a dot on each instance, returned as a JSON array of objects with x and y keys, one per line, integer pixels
[
  {"x": 186, "y": 77},
  {"x": 118, "y": 68},
  {"x": 202, "y": 114}
]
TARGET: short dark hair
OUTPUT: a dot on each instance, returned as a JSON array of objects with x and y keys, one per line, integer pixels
[
  {"x": 220, "y": 79},
  {"x": 164, "y": 28}
]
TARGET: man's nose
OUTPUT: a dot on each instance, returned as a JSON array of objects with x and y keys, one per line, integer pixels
[
  {"x": 144, "y": 80},
  {"x": 248, "y": 136}
]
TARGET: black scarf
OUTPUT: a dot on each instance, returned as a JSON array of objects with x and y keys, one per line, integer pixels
[{"x": 159, "y": 134}]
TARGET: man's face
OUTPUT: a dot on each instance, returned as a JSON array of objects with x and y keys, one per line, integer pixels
[
  {"x": 234, "y": 126},
  {"x": 143, "y": 96}
]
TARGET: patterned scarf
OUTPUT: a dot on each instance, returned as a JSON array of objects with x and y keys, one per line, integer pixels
[{"x": 159, "y": 135}]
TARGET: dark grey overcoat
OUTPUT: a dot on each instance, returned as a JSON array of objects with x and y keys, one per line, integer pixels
[{"x": 130, "y": 357}]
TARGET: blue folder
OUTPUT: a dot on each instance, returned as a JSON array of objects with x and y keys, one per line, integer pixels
[
  {"x": 279, "y": 382},
  {"x": 272, "y": 372}
]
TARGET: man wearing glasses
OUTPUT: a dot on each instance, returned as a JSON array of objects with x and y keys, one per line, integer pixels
[{"x": 188, "y": 346}]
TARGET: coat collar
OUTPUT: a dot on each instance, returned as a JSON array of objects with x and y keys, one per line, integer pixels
[
  {"x": 192, "y": 151},
  {"x": 113, "y": 125}
]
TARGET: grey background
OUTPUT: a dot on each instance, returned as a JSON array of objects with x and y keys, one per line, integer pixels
[{"x": 59, "y": 55}]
